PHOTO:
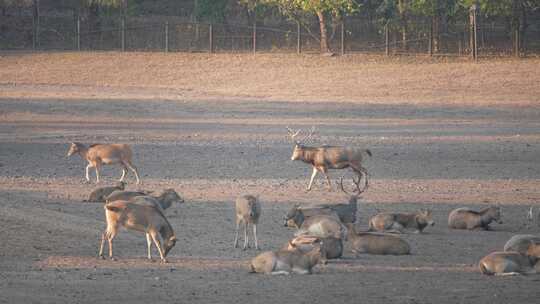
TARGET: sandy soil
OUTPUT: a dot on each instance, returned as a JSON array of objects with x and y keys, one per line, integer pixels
[{"x": 218, "y": 131}]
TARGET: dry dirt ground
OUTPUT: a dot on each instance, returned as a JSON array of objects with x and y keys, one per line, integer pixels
[{"x": 444, "y": 134}]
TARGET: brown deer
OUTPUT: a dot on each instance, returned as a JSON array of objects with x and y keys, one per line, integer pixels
[
  {"x": 143, "y": 218},
  {"x": 503, "y": 263},
  {"x": 99, "y": 194},
  {"x": 331, "y": 247},
  {"x": 376, "y": 243},
  {"x": 286, "y": 261},
  {"x": 345, "y": 212},
  {"x": 397, "y": 222},
  {"x": 164, "y": 200},
  {"x": 105, "y": 154},
  {"x": 323, "y": 158},
  {"x": 465, "y": 218},
  {"x": 521, "y": 242},
  {"x": 248, "y": 211},
  {"x": 319, "y": 225}
]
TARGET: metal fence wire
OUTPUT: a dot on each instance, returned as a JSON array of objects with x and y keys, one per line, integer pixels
[{"x": 170, "y": 34}]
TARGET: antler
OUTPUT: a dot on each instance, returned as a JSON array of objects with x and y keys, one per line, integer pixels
[
  {"x": 304, "y": 140},
  {"x": 293, "y": 134},
  {"x": 309, "y": 137},
  {"x": 356, "y": 183}
]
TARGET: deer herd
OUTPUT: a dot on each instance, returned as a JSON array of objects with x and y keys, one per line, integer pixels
[{"x": 322, "y": 231}]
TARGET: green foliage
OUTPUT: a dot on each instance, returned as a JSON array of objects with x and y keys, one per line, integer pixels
[
  {"x": 296, "y": 8},
  {"x": 211, "y": 10}
]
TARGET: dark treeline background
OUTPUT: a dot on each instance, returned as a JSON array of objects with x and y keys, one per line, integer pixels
[{"x": 408, "y": 26}]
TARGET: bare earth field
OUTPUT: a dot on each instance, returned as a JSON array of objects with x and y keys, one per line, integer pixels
[{"x": 444, "y": 134}]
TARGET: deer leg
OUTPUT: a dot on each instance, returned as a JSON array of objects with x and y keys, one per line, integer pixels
[
  {"x": 236, "y": 235},
  {"x": 158, "y": 245},
  {"x": 149, "y": 244},
  {"x": 88, "y": 171},
  {"x": 110, "y": 236},
  {"x": 97, "y": 166},
  {"x": 255, "y": 236},
  {"x": 312, "y": 178},
  {"x": 124, "y": 170},
  {"x": 103, "y": 236},
  {"x": 325, "y": 172},
  {"x": 134, "y": 169},
  {"x": 246, "y": 241}
]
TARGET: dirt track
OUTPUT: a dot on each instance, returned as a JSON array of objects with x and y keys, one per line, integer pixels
[{"x": 212, "y": 149}]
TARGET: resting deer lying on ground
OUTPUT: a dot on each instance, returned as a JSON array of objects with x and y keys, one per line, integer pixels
[
  {"x": 248, "y": 211},
  {"x": 465, "y": 218},
  {"x": 330, "y": 157},
  {"x": 521, "y": 242},
  {"x": 397, "y": 222},
  {"x": 143, "y": 218},
  {"x": 298, "y": 212},
  {"x": 286, "y": 261},
  {"x": 164, "y": 200},
  {"x": 511, "y": 262},
  {"x": 345, "y": 212},
  {"x": 99, "y": 154},
  {"x": 126, "y": 195},
  {"x": 320, "y": 225},
  {"x": 376, "y": 243},
  {"x": 100, "y": 194},
  {"x": 331, "y": 247}
]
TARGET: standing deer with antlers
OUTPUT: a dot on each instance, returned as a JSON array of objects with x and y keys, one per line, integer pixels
[{"x": 325, "y": 157}]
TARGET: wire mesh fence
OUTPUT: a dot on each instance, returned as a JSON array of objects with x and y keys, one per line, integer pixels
[{"x": 354, "y": 34}]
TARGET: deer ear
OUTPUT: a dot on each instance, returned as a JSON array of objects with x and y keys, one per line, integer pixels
[{"x": 291, "y": 245}]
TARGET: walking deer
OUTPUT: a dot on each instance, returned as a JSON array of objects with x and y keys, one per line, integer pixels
[
  {"x": 105, "y": 154},
  {"x": 325, "y": 157},
  {"x": 248, "y": 211},
  {"x": 143, "y": 218}
]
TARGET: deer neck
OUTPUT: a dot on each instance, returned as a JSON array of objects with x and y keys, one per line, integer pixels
[
  {"x": 485, "y": 217},
  {"x": 308, "y": 155},
  {"x": 83, "y": 152},
  {"x": 166, "y": 230}
]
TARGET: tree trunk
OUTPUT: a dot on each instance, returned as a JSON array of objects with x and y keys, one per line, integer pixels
[
  {"x": 403, "y": 17},
  {"x": 325, "y": 49},
  {"x": 436, "y": 23}
]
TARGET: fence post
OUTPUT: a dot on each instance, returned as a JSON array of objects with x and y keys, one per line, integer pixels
[
  {"x": 386, "y": 40},
  {"x": 298, "y": 38},
  {"x": 211, "y": 38},
  {"x": 166, "y": 36},
  {"x": 342, "y": 37},
  {"x": 516, "y": 41},
  {"x": 430, "y": 42},
  {"x": 123, "y": 33},
  {"x": 474, "y": 31},
  {"x": 33, "y": 33},
  {"x": 78, "y": 32},
  {"x": 254, "y": 37}
]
